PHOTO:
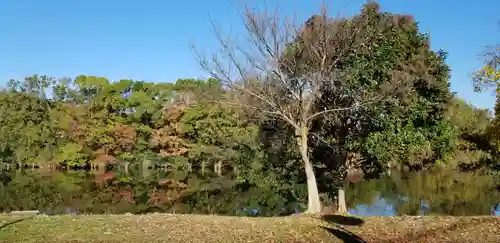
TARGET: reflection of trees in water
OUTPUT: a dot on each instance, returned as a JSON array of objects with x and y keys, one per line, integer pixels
[
  {"x": 115, "y": 192},
  {"x": 446, "y": 192}
]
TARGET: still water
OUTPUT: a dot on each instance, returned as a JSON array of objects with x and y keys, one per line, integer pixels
[{"x": 443, "y": 192}]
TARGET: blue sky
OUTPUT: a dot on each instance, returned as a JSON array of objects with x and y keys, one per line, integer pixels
[{"x": 149, "y": 40}]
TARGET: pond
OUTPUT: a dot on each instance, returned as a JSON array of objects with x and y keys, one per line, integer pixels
[{"x": 442, "y": 192}]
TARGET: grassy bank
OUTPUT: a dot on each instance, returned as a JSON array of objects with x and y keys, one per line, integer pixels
[{"x": 207, "y": 228}]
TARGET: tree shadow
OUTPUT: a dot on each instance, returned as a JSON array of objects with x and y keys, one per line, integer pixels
[
  {"x": 345, "y": 235},
  {"x": 11, "y": 223},
  {"x": 343, "y": 220},
  {"x": 340, "y": 232}
]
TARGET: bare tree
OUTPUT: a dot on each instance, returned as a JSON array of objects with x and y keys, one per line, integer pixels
[{"x": 283, "y": 70}]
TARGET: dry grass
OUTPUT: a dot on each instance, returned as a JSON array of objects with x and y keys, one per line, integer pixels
[
  {"x": 209, "y": 228},
  {"x": 431, "y": 229}
]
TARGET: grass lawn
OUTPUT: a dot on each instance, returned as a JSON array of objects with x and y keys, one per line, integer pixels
[{"x": 209, "y": 228}]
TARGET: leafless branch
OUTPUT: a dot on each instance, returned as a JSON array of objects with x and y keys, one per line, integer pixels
[
  {"x": 355, "y": 106},
  {"x": 284, "y": 66}
]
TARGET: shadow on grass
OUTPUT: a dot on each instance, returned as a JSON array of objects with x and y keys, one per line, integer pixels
[
  {"x": 345, "y": 235},
  {"x": 343, "y": 220},
  {"x": 341, "y": 233},
  {"x": 11, "y": 223}
]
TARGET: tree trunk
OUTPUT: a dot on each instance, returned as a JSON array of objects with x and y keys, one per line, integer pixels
[
  {"x": 342, "y": 207},
  {"x": 126, "y": 168},
  {"x": 348, "y": 164},
  {"x": 313, "y": 201},
  {"x": 145, "y": 168},
  {"x": 219, "y": 168}
]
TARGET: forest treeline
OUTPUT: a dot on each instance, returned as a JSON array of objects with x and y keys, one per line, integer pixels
[{"x": 364, "y": 94}]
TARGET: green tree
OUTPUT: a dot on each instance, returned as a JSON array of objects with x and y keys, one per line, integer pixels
[
  {"x": 217, "y": 135},
  {"x": 407, "y": 125},
  {"x": 486, "y": 77},
  {"x": 473, "y": 144},
  {"x": 28, "y": 132}
]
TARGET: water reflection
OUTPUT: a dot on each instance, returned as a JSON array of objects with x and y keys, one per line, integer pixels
[
  {"x": 443, "y": 192},
  {"x": 55, "y": 192},
  {"x": 52, "y": 192}
]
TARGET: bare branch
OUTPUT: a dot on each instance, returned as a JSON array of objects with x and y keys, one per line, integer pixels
[
  {"x": 355, "y": 106},
  {"x": 286, "y": 66},
  {"x": 276, "y": 114}
]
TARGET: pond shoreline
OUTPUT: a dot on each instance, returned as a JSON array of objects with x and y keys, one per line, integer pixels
[{"x": 213, "y": 228}]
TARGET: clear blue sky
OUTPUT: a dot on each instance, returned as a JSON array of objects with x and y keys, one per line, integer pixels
[{"x": 149, "y": 40}]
